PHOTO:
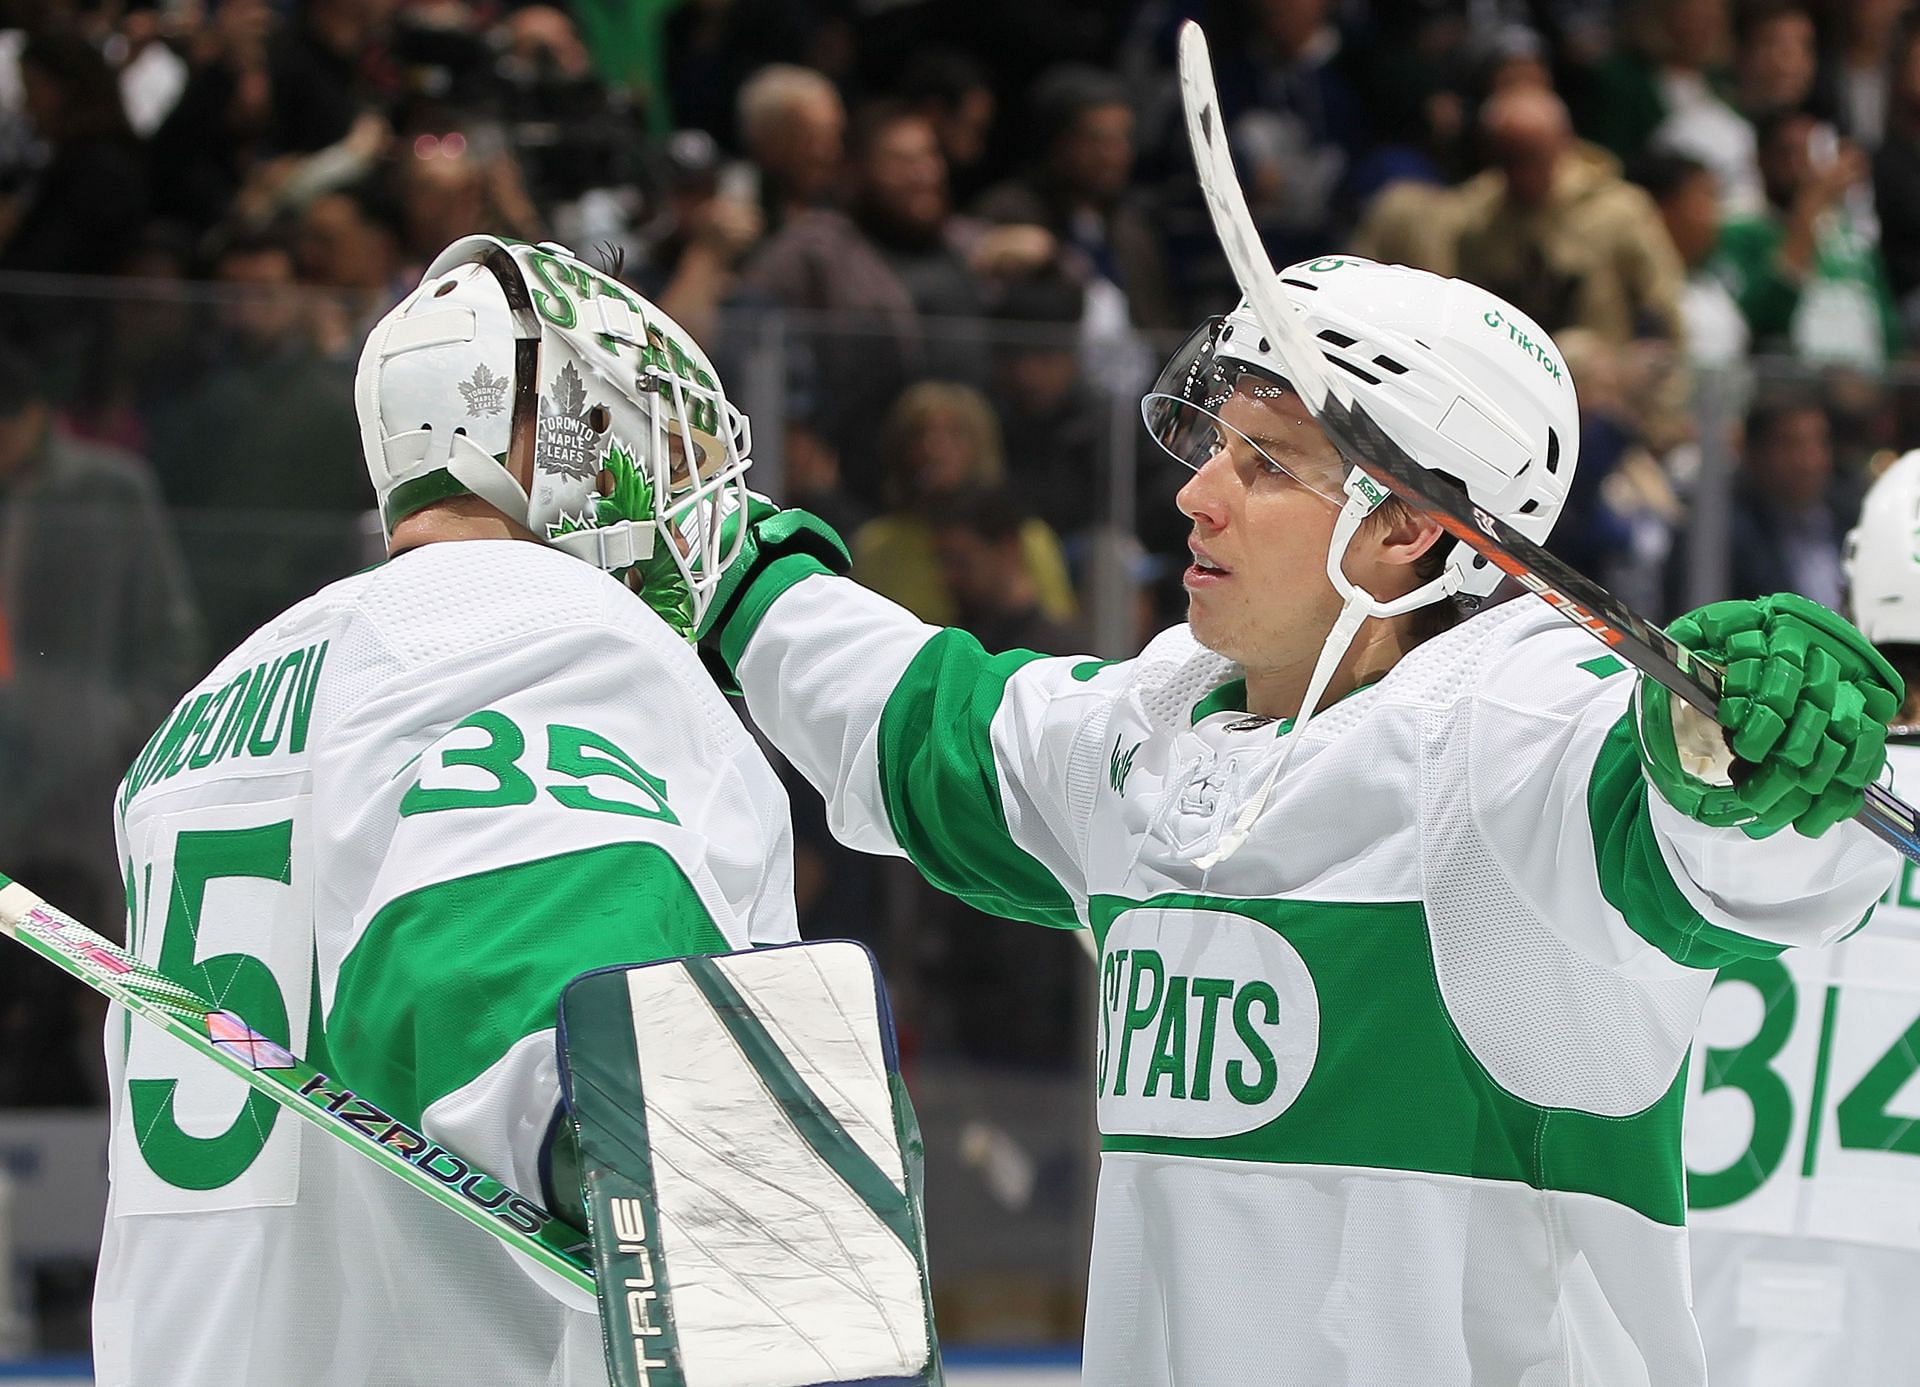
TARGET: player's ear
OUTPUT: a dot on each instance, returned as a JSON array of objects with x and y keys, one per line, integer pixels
[{"x": 1404, "y": 533}]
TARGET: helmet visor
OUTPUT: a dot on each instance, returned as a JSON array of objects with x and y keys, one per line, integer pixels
[{"x": 1205, "y": 405}]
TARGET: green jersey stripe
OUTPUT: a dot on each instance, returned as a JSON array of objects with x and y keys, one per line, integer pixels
[
  {"x": 942, "y": 786},
  {"x": 1634, "y": 878},
  {"x": 445, "y": 980},
  {"x": 1393, "y": 1085}
]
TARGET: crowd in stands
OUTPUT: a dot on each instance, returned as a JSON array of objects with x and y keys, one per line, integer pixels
[{"x": 977, "y": 223}]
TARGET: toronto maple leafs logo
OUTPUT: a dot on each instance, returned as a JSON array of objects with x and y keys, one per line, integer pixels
[
  {"x": 566, "y": 444},
  {"x": 484, "y": 392}
]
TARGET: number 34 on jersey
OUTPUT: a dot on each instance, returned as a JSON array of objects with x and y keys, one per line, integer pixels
[{"x": 1803, "y": 1116}]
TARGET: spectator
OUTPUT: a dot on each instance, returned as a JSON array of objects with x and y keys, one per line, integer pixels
[
  {"x": 1045, "y": 402},
  {"x": 1791, "y": 512},
  {"x": 951, "y": 90},
  {"x": 1295, "y": 119},
  {"x": 151, "y": 75},
  {"x": 1687, "y": 194},
  {"x": 1553, "y": 228},
  {"x": 217, "y": 130},
  {"x": 794, "y": 127},
  {"x": 1411, "y": 222},
  {"x": 254, "y": 448},
  {"x": 1775, "y": 57},
  {"x": 1660, "y": 92},
  {"x": 349, "y": 243},
  {"x": 939, "y": 440},
  {"x": 811, "y": 471},
  {"x": 1896, "y": 180},
  {"x": 153, "y": 346},
  {"x": 1082, "y": 132},
  {"x": 98, "y": 629},
  {"x": 452, "y": 183},
  {"x": 265, "y": 96},
  {"x": 711, "y": 52},
  {"x": 702, "y": 236},
  {"x": 1861, "y": 71},
  {"x": 898, "y": 254},
  {"x": 979, "y": 539},
  {"x": 315, "y": 67},
  {"x": 1806, "y": 271},
  {"x": 81, "y": 211},
  {"x": 1621, "y": 514}
]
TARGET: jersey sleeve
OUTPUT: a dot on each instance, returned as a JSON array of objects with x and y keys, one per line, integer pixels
[
  {"x": 980, "y": 768},
  {"x": 1556, "y": 789},
  {"x": 525, "y": 817}
]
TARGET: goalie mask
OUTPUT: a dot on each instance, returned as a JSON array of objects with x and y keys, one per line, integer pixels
[{"x": 517, "y": 360}]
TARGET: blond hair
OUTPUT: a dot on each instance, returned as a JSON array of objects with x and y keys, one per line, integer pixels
[
  {"x": 917, "y": 407},
  {"x": 767, "y": 98}
]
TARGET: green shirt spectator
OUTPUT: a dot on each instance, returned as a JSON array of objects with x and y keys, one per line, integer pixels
[{"x": 1804, "y": 271}]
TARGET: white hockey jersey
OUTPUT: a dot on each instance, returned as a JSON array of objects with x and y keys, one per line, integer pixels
[
  {"x": 386, "y": 830},
  {"x": 1803, "y": 1155},
  {"x": 1392, "y": 1095}
]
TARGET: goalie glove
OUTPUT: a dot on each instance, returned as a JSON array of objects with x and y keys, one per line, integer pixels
[
  {"x": 781, "y": 548},
  {"x": 1803, "y": 719}
]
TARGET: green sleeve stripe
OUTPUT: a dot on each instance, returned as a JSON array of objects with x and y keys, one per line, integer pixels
[
  {"x": 942, "y": 788},
  {"x": 1633, "y": 875},
  {"x": 447, "y": 979},
  {"x": 768, "y": 586}
]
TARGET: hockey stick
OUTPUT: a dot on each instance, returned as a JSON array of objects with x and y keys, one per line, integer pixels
[
  {"x": 230, "y": 1042},
  {"x": 1364, "y": 444}
]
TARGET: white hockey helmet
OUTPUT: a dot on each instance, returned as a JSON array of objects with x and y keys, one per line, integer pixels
[
  {"x": 1883, "y": 557},
  {"x": 512, "y": 354},
  {"x": 1467, "y": 384}
]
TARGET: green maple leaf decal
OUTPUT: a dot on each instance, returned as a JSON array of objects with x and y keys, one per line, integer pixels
[{"x": 661, "y": 585}]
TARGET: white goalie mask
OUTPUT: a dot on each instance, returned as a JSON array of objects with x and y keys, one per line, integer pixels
[
  {"x": 1883, "y": 557},
  {"x": 515, "y": 356}
]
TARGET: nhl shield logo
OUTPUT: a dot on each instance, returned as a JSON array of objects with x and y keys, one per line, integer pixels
[{"x": 485, "y": 393}]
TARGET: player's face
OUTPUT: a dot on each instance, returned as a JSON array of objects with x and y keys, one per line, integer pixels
[{"x": 1257, "y": 591}]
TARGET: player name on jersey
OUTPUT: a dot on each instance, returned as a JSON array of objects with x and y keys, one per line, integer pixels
[{"x": 259, "y": 712}]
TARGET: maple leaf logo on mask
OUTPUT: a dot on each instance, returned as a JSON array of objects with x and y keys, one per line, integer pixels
[
  {"x": 566, "y": 442},
  {"x": 485, "y": 393}
]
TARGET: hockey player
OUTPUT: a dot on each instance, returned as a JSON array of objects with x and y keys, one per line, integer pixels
[
  {"x": 1403, "y": 929},
  {"x": 1803, "y": 1186},
  {"x": 400, "y": 817}
]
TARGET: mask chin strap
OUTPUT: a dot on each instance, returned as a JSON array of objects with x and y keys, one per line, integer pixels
[
  {"x": 609, "y": 547},
  {"x": 1359, "y": 604}
]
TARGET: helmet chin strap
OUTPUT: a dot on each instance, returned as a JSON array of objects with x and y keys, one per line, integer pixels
[{"x": 1358, "y": 604}]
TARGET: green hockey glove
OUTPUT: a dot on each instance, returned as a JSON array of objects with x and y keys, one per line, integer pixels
[
  {"x": 1803, "y": 719},
  {"x": 781, "y": 548}
]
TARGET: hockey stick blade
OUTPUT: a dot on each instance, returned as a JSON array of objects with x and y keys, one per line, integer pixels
[
  {"x": 1364, "y": 444},
  {"x": 228, "y": 1041}
]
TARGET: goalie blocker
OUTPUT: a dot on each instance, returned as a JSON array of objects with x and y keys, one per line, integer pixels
[{"x": 751, "y": 1169}]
